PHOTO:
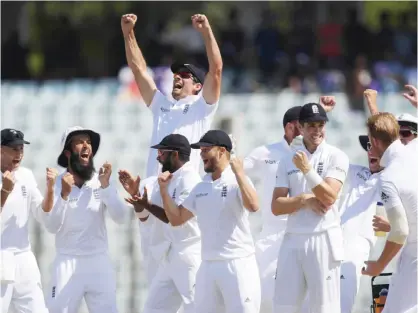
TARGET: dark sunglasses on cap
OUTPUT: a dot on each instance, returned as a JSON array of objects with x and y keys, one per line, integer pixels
[
  {"x": 405, "y": 133},
  {"x": 186, "y": 75},
  {"x": 368, "y": 146}
]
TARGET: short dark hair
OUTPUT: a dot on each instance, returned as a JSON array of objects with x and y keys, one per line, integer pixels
[{"x": 184, "y": 158}]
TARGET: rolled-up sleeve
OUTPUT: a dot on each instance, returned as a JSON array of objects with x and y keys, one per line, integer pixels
[
  {"x": 116, "y": 207},
  {"x": 54, "y": 219}
]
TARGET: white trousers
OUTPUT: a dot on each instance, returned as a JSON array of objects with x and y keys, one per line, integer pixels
[
  {"x": 75, "y": 277},
  {"x": 174, "y": 284},
  {"x": 309, "y": 264},
  {"x": 402, "y": 296},
  {"x": 351, "y": 267},
  {"x": 267, "y": 250},
  {"x": 24, "y": 293},
  {"x": 232, "y": 286}
]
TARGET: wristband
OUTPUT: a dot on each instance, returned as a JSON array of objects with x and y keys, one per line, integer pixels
[
  {"x": 6, "y": 191},
  {"x": 142, "y": 214},
  {"x": 313, "y": 179}
]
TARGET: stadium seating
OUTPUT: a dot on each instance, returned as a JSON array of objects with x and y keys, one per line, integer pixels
[{"x": 43, "y": 111}]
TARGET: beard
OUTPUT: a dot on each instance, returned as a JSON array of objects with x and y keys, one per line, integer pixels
[
  {"x": 167, "y": 165},
  {"x": 85, "y": 172}
]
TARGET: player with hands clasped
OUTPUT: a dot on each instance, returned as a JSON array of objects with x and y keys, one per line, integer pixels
[
  {"x": 307, "y": 188},
  {"x": 82, "y": 267},
  {"x": 398, "y": 191},
  {"x": 195, "y": 92},
  {"x": 221, "y": 203},
  {"x": 21, "y": 288}
]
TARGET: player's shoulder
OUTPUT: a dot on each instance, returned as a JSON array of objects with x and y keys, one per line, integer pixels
[
  {"x": 359, "y": 171},
  {"x": 25, "y": 176}
]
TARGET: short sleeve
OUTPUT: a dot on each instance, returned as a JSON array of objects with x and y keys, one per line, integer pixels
[
  {"x": 209, "y": 109},
  {"x": 282, "y": 179},
  {"x": 239, "y": 190},
  {"x": 252, "y": 164},
  {"x": 189, "y": 202},
  {"x": 159, "y": 103},
  {"x": 338, "y": 167},
  {"x": 389, "y": 194},
  {"x": 189, "y": 182}
]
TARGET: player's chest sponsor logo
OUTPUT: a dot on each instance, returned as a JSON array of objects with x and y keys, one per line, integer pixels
[
  {"x": 164, "y": 110},
  {"x": 363, "y": 175},
  {"x": 202, "y": 194},
  {"x": 270, "y": 162}
]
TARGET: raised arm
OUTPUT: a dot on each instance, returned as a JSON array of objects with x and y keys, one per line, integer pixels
[
  {"x": 136, "y": 60},
  {"x": 246, "y": 188},
  {"x": 411, "y": 95},
  {"x": 212, "y": 83},
  {"x": 371, "y": 99}
]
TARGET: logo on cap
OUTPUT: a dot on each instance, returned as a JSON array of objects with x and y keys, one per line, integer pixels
[{"x": 315, "y": 109}]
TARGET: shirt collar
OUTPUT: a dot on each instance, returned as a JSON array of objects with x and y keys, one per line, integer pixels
[
  {"x": 284, "y": 144},
  {"x": 318, "y": 149},
  {"x": 226, "y": 172},
  {"x": 392, "y": 152},
  {"x": 179, "y": 172}
]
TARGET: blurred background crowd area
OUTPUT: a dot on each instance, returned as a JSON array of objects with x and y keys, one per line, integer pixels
[{"x": 304, "y": 46}]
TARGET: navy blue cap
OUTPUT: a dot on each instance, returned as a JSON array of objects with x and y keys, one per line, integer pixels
[
  {"x": 175, "y": 142},
  {"x": 11, "y": 137},
  {"x": 196, "y": 71},
  {"x": 291, "y": 115},
  {"x": 213, "y": 138},
  {"x": 312, "y": 112}
]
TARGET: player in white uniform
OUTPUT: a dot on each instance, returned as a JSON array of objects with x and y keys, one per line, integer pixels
[
  {"x": 407, "y": 127},
  {"x": 307, "y": 188},
  {"x": 228, "y": 274},
  {"x": 174, "y": 282},
  {"x": 20, "y": 279},
  {"x": 262, "y": 163},
  {"x": 196, "y": 94},
  {"x": 357, "y": 206},
  {"x": 82, "y": 267},
  {"x": 399, "y": 187}
]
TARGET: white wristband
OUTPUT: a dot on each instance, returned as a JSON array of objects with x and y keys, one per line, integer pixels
[
  {"x": 142, "y": 214},
  {"x": 313, "y": 179}
]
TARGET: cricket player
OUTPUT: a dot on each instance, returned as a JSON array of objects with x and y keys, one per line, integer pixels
[
  {"x": 21, "y": 288},
  {"x": 307, "y": 188},
  {"x": 262, "y": 163},
  {"x": 399, "y": 187},
  {"x": 221, "y": 203},
  {"x": 407, "y": 127},
  {"x": 174, "y": 282},
  {"x": 195, "y": 92},
  {"x": 357, "y": 207},
  {"x": 82, "y": 267}
]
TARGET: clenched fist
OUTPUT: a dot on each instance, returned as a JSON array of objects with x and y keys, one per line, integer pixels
[
  {"x": 164, "y": 179},
  {"x": 51, "y": 175},
  {"x": 200, "y": 22},
  {"x": 104, "y": 174},
  {"x": 129, "y": 183},
  {"x": 301, "y": 162},
  {"x": 8, "y": 181},
  {"x": 371, "y": 95},
  {"x": 411, "y": 95},
  {"x": 67, "y": 183},
  {"x": 327, "y": 102},
  {"x": 128, "y": 22},
  {"x": 237, "y": 165}
]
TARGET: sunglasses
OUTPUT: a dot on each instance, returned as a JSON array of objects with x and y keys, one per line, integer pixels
[
  {"x": 184, "y": 75},
  {"x": 368, "y": 146},
  {"x": 407, "y": 133}
]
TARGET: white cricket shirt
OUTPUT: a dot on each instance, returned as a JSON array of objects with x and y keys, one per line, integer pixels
[
  {"x": 190, "y": 117},
  {"x": 79, "y": 223},
  {"x": 262, "y": 164},
  {"x": 24, "y": 199},
  {"x": 357, "y": 204},
  {"x": 222, "y": 218},
  {"x": 399, "y": 185},
  {"x": 186, "y": 237},
  {"x": 327, "y": 161}
]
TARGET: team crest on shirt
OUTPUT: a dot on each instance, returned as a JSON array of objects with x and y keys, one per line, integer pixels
[
  {"x": 24, "y": 192},
  {"x": 186, "y": 108},
  {"x": 224, "y": 192},
  {"x": 320, "y": 168},
  {"x": 96, "y": 194}
]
